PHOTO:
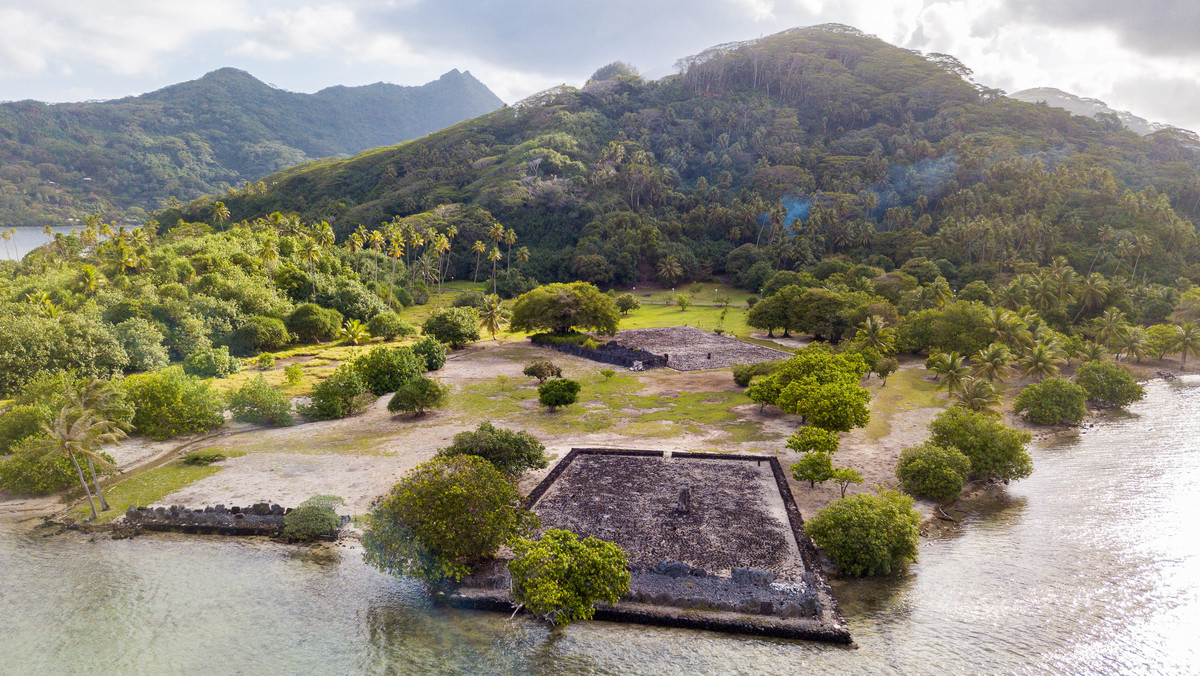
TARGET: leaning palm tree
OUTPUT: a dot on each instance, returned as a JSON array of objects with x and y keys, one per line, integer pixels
[
  {"x": 976, "y": 394},
  {"x": 493, "y": 316},
  {"x": 1187, "y": 341},
  {"x": 993, "y": 362},
  {"x": 1041, "y": 361},
  {"x": 76, "y": 433}
]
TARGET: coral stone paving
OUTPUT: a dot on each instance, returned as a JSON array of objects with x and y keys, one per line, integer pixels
[{"x": 693, "y": 349}]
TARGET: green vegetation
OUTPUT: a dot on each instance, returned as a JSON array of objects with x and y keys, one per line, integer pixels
[
  {"x": 744, "y": 373},
  {"x": 313, "y": 518},
  {"x": 418, "y": 395},
  {"x": 559, "y": 578},
  {"x": 388, "y": 326},
  {"x": 867, "y": 534},
  {"x": 447, "y": 514},
  {"x": 208, "y": 456},
  {"x": 820, "y": 386},
  {"x": 558, "y": 393},
  {"x": 386, "y": 369},
  {"x": 563, "y": 308},
  {"x": 542, "y": 369},
  {"x": 342, "y": 394},
  {"x": 432, "y": 351},
  {"x": 933, "y": 471},
  {"x": 1108, "y": 385},
  {"x": 312, "y": 323},
  {"x": 257, "y": 402},
  {"x": 1053, "y": 401},
  {"x": 171, "y": 403},
  {"x": 152, "y": 486},
  {"x": 511, "y": 452},
  {"x": 211, "y": 362},
  {"x": 995, "y": 450},
  {"x": 454, "y": 326}
]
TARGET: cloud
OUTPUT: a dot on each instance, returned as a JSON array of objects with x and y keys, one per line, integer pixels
[{"x": 1161, "y": 27}]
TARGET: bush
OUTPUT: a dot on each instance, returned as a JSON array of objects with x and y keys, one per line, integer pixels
[
  {"x": 814, "y": 467},
  {"x": 447, "y": 514},
  {"x": 265, "y": 361},
  {"x": 1052, "y": 401},
  {"x": 432, "y": 351},
  {"x": 143, "y": 342},
  {"x": 386, "y": 369},
  {"x": 211, "y": 362},
  {"x": 542, "y": 369},
  {"x": 257, "y": 402},
  {"x": 1108, "y": 385},
  {"x": 204, "y": 457},
  {"x": 560, "y": 577},
  {"x": 311, "y": 323},
  {"x": 995, "y": 450},
  {"x": 511, "y": 452},
  {"x": 417, "y": 396},
  {"x": 933, "y": 471},
  {"x": 20, "y": 422},
  {"x": 607, "y": 373},
  {"x": 813, "y": 440},
  {"x": 257, "y": 334},
  {"x": 30, "y": 471},
  {"x": 293, "y": 373},
  {"x": 555, "y": 393},
  {"x": 744, "y": 373},
  {"x": 626, "y": 303},
  {"x": 170, "y": 403},
  {"x": 867, "y": 534},
  {"x": 314, "y": 518},
  {"x": 340, "y": 395},
  {"x": 388, "y": 325},
  {"x": 456, "y": 327},
  {"x": 473, "y": 299}
]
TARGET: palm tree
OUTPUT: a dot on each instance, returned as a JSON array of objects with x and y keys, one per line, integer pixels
[
  {"x": 493, "y": 315},
  {"x": 670, "y": 271},
  {"x": 220, "y": 213},
  {"x": 376, "y": 241},
  {"x": 510, "y": 238},
  {"x": 875, "y": 334},
  {"x": 1042, "y": 361},
  {"x": 1110, "y": 325},
  {"x": 354, "y": 244},
  {"x": 90, "y": 280},
  {"x": 7, "y": 236},
  {"x": 977, "y": 395},
  {"x": 993, "y": 362},
  {"x": 951, "y": 370},
  {"x": 522, "y": 256},
  {"x": 440, "y": 246},
  {"x": 494, "y": 255},
  {"x": 354, "y": 332},
  {"x": 477, "y": 248},
  {"x": 395, "y": 251},
  {"x": 311, "y": 252},
  {"x": 1092, "y": 292},
  {"x": 76, "y": 432},
  {"x": 1133, "y": 342},
  {"x": 1187, "y": 341}
]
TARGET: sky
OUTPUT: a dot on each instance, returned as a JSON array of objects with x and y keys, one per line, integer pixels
[{"x": 1136, "y": 56}]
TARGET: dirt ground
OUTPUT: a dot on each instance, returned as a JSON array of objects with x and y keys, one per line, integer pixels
[{"x": 693, "y": 349}]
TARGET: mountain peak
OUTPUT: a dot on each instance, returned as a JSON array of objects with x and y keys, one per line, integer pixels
[{"x": 1087, "y": 107}]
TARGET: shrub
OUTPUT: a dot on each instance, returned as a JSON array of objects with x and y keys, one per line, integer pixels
[
  {"x": 511, "y": 452},
  {"x": 744, "y": 373},
  {"x": 1052, "y": 401},
  {"x": 386, "y": 369},
  {"x": 30, "y": 471},
  {"x": 20, "y": 422},
  {"x": 560, "y": 577},
  {"x": 473, "y": 299},
  {"x": 814, "y": 467},
  {"x": 265, "y": 361},
  {"x": 388, "y": 325},
  {"x": 813, "y": 440},
  {"x": 684, "y": 301},
  {"x": 867, "y": 534},
  {"x": 445, "y": 515},
  {"x": 607, "y": 373},
  {"x": 204, "y": 456},
  {"x": 143, "y": 342},
  {"x": 314, "y": 518},
  {"x": 417, "y": 396},
  {"x": 354, "y": 332},
  {"x": 211, "y": 362},
  {"x": 995, "y": 450},
  {"x": 626, "y": 303},
  {"x": 933, "y": 471},
  {"x": 555, "y": 393},
  {"x": 432, "y": 351},
  {"x": 311, "y": 323},
  {"x": 340, "y": 395},
  {"x": 170, "y": 403},
  {"x": 257, "y": 334},
  {"x": 293, "y": 373},
  {"x": 258, "y": 402},
  {"x": 456, "y": 326},
  {"x": 542, "y": 369},
  {"x": 1108, "y": 385}
]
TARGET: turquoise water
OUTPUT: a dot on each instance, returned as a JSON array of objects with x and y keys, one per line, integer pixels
[{"x": 1091, "y": 566}]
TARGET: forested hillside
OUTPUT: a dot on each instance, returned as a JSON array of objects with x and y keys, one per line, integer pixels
[
  {"x": 121, "y": 159},
  {"x": 776, "y": 153}
]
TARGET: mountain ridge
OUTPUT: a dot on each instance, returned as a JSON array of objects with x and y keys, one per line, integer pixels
[{"x": 1088, "y": 107}]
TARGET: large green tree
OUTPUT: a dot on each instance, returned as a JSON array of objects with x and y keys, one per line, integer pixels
[{"x": 561, "y": 308}]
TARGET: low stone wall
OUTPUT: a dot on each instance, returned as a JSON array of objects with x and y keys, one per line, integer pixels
[
  {"x": 611, "y": 353},
  {"x": 257, "y": 519}
]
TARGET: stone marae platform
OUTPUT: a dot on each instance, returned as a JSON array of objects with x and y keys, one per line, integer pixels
[{"x": 714, "y": 541}]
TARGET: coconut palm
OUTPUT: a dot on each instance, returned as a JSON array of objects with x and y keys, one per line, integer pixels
[
  {"x": 1132, "y": 342},
  {"x": 494, "y": 255},
  {"x": 874, "y": 333},
  {"x": 78, "y": 432},
  {"x": 395, "y": 251},
  {"x": 493, "y": 316},
  {"x": 354, "y": 332},
  {"x": 523, "y": 256},
  {"x": 951, "y": 370},
  {"x": 976, "y": 394},
  {"x": 1092, "y": 352},
  {"x": 1041, "y": 361},
  {"x": 1110, "y": 325},
  {"x": 478, "y": 248},
  {"x": 993, "y": 362},
  {"x": 310, "y": 251},
  {"x": 510, "y": 238},
  {"x": 1187, "y": 341},
  {"x": 220, "y": 213},
  {"x": 669, "y": 270},
  {"x": 1092, "y": 292}
]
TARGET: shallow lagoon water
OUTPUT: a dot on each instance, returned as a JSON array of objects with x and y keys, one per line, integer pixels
[{"x": 1090, "y": 566}]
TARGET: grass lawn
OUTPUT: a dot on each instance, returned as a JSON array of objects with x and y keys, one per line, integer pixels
[
  {"x": 906, "y": 390},
  {"x": 147, "y": 487}
]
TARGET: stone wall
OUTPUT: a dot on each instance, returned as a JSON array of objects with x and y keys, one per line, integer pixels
[{"x": 257, "y": 519}]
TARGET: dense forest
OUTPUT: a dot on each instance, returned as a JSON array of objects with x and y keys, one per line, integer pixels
[{"x": 123, "y": 158}]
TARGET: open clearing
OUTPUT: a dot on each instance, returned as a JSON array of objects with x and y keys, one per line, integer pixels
[{"x": 693, "y": 349}]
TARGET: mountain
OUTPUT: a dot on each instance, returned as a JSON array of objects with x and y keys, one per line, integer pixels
[
  {"x": 814, "y": 143},
  {"x": 1078, "y": 105},
  {"x": 124, "y": 157}
]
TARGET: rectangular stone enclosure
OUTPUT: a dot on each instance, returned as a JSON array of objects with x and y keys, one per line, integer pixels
[{"x": 692, "y": 349}]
